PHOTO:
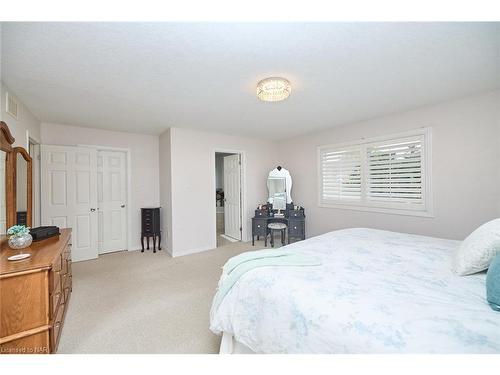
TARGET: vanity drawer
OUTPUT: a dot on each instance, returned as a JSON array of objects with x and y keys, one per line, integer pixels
[
  {"x": 296, "y": 228},
  {"x": 259, "y": 227},
  {"x": 261, "y": 213},
  {"x": 296, "y": 213}
]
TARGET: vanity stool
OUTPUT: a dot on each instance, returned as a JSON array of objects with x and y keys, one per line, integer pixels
[{"x": 274, "y": 227}]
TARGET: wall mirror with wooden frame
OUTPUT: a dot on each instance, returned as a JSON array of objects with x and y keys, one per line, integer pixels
[
  {"x": 15, "y": 182},
  {"x": 23, "y": 186}
]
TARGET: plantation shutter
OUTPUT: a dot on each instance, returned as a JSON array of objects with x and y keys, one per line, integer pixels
[
  {"x": 394, "y": 171},
  {"x": 340, "y": 174}
]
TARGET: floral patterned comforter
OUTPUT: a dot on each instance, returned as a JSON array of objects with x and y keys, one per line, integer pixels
[{"x": 375, "y": 292}]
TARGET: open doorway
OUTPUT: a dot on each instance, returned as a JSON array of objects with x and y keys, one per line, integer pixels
[{"x": 228, "y": 197}]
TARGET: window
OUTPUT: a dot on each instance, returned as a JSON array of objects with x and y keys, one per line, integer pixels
[{"x": 388, "y": 174}]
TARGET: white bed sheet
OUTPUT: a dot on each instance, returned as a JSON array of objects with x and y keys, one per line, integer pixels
[{"x": 376, "y": 292}]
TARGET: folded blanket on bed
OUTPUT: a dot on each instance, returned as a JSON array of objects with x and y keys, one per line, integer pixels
[{"x": 240, "y": 264}]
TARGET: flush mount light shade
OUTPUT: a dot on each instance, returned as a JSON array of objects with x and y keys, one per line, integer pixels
[{"x": 273, "y": 89}]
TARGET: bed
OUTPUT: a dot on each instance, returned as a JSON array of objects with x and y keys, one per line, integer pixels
[{"x": 375, "y": 292}]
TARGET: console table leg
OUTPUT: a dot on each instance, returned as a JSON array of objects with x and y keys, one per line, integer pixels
[
  {"x": 147, "y": 242},
  {"x": 154, "y": 244},
  {"x": 142, "y": 244},
  {"x": 159, "y": 242}
]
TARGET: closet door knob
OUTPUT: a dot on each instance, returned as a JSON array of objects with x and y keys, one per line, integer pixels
[
  {"x": 122, "y": 206},
  {"x": 92, "y": 209}
]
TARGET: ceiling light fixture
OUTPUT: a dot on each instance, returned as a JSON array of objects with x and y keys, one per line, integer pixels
[{"x": 273, "y": 89}]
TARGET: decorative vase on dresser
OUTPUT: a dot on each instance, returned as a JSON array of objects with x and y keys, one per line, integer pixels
[
  {"x": 34, "y": 294},
  {"x": 150, "y": 222}
]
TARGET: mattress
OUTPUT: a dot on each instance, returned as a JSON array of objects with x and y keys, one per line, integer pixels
[{"x": 375, "y": 292}]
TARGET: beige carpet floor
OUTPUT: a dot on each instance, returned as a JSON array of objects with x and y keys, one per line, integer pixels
[{"x": 133, "y": 302}]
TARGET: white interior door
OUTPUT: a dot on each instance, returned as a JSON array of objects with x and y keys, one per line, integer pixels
[
  {"x": 112, "y": 197},
  {"x": 232, "y": 196},
  {"x": 69, "y": 195}
]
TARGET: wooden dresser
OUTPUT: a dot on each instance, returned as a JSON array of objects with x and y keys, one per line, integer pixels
[{"x": 34, "y": 295}]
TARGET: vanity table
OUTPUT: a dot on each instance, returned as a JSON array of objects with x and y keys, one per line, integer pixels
[
  {"x": 294, "y": 219},
  {"x": 279, "y": 201}
]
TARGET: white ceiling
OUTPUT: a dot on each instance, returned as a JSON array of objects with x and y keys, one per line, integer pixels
[{"x": 145, "y": 77}]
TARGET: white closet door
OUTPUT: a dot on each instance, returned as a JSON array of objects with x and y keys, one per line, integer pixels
[
  {"x": 69, "y": 195},
  {"x": 112, "y": 195},
  {"x": 232, "y": 205}
]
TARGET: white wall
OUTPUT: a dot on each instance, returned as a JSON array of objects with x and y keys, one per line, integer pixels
[
  {"x": 144, "y": 162},
  {"x": 465, "y": 162},
  {"x": 193, "y": 184},
  {"x": 26, "y": 120},
  {"x": 166, "y": 189}
]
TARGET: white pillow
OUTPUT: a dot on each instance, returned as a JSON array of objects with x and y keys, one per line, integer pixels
[{"x": 478, "y": 250}]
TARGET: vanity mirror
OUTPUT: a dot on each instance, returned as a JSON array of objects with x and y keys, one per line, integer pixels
[{"x": 279, "y": 186}]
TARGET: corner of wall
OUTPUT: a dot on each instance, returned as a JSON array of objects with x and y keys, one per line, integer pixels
[{"x": 166, "y": 202}]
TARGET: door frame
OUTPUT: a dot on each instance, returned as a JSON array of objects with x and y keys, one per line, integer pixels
[
  {"x": 243, "y": 189},
  {"x": 36, "y": 178},
  {"x": 129, "y": 183}
]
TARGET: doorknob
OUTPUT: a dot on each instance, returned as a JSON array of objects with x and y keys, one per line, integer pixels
[
  {"x": 122, "y": 206},
  {"x": 92, "y": 209}
]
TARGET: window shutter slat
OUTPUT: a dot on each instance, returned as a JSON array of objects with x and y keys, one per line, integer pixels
[
  {"x": 341, "y": 175},
  {"x": 395, "y": 171}
]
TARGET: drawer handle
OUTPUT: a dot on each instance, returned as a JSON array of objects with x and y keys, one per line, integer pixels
[
  {"x": 258, "y": 226},
  {"x": 294, "y": 227},
  {"x": 57, "y": 325}
]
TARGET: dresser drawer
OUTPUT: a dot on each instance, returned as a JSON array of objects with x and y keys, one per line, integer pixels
[
  {"x": 67, "y": 292},
  {"x": 259, "y": 227},
  {"x": 55, "y": 300},
  {"x": 67, "y": 253},
  {"x": 64, "y": 269},
  {"x": 55, "y": 331},
  {"x": 64, "y": 281},
  {"x": 54, "y": 280},
  {"x": 57, "y": 265}
]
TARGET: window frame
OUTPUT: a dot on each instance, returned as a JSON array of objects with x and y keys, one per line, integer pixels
[{"x": 425, "y": 210}]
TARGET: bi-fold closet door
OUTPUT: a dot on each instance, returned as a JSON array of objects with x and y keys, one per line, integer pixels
[{"x": 80, "y": 189}]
